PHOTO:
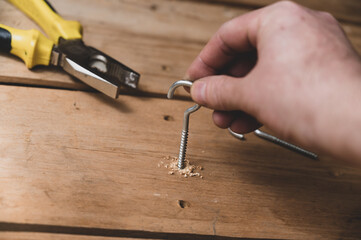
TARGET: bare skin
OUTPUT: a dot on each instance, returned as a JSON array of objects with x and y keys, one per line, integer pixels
[{"x": 289, "y": 68}]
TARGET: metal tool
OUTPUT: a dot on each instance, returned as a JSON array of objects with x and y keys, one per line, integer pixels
[
  {"x": 184, "y": 138},
  {"x": 66, "y": 49},
  {"x": 278, "y": 141}
]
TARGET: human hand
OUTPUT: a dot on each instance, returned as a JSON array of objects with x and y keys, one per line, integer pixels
[{"x": 289, "y": 68}]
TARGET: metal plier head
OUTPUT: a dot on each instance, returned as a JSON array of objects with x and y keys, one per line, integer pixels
[{"x": 65, "y": 49}]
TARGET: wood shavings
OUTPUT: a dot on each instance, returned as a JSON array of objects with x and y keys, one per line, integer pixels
[{"x": 171, "y": 163}]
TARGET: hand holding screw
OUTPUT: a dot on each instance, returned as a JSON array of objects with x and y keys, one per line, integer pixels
[{"x": 184, "y": 138}]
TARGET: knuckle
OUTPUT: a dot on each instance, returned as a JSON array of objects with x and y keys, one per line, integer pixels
[
  {"x": 287, "y": 7},
  {"x": 287, "y": 15},
  {"x": 227, "y": 26},
  {"x": 328, "y": 17}
]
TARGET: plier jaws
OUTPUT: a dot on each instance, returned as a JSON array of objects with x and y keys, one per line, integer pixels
[{"x": 93, "y": 67}]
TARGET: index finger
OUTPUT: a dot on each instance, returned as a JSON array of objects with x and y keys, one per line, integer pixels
[{"x": 234, "y": 37}]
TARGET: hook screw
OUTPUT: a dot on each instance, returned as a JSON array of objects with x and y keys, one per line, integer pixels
[
  {"x": 185, "y": 129},
  {"x": 278, "y": 141}
]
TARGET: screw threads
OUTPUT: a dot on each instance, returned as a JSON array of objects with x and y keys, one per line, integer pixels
[
  {"x": 296, "y": 149},
  {"x": 182, "y": 149},
  {"x": 280, "y": 142}
]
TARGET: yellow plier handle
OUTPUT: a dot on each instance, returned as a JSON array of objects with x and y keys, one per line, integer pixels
[
  {"x": 31, "y": 45},
  {"x": 46, "y": 17}
]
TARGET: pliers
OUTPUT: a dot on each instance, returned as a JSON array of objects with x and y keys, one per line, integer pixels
[{"x": 66, "y": 49}]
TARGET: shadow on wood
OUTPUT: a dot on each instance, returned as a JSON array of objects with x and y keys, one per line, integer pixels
[{"x": 104, "y": 232}]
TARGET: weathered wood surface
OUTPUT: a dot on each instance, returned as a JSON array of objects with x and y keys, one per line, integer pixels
[
  {"x": 78, "y": 165},
  {"x": 158, "y": 38},
  {"x": 77, "y": 159},
  {"x": 346, "y": 10},
  {"x": 41, "y": 236}
]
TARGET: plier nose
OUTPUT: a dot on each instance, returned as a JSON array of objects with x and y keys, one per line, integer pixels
[{"x": 66, "y": 49}]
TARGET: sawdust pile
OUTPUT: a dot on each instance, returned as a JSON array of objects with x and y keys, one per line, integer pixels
[{"x": 171, "y": 163}]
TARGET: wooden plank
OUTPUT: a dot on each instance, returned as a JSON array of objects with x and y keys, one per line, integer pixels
[
  {"x": 158, "y": 38},
  {"x": 40, "y": 236},
  {"x": 345, "y": 10},
  {"x": 78, "y": 159}
]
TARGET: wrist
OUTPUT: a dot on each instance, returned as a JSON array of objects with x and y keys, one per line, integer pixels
[{"x": 341, "y": 128}]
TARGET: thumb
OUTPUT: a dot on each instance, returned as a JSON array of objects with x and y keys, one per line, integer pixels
[{"x": 223, "y": 93}]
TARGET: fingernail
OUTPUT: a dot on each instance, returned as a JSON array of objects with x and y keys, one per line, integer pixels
[{"x": 198, "y": 92}]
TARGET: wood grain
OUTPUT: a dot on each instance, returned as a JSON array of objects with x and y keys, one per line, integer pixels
[
  {"x": 78, "y": 165},
  {"x": 158, "y": 38},
  {"x": 40, "y": 236},
  {"x": 345, "y": 10},
  {"x": 78, "y": 159}
]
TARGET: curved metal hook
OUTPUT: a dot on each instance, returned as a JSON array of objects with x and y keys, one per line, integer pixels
[
  {"x": 236, "y": 135},
  {"x": 177, "y": 84},
  {"x": 184, "y": 139},
  {"x": 278, "y": 141},
  {"x": 183, "y": 83}
]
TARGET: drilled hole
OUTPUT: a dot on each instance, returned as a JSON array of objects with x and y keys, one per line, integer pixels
[
  {"x": 153, "y": 7},
  {"x": 183, "y": 204},
  {"x": 165, "y": 68},
  {"x": 168, "y": 118},
  {"x": 75, "y": 106}
]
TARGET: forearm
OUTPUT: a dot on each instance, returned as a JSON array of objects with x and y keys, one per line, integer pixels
[{"x": 342, "y": 138}]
